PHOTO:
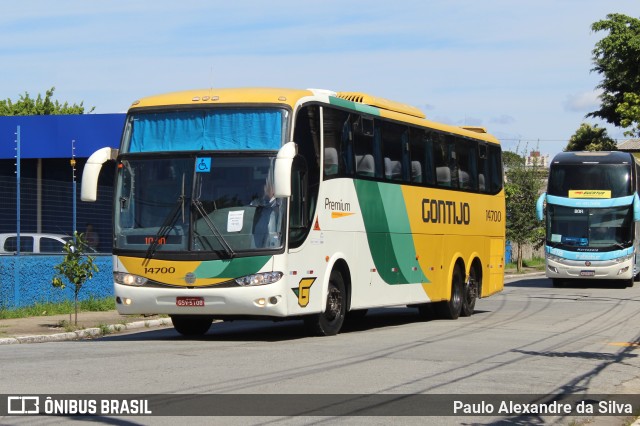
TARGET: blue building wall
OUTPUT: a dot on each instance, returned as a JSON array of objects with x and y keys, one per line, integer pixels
[
  {"x": 26, "y": 280},
  {"x": 50, "y": 136}
]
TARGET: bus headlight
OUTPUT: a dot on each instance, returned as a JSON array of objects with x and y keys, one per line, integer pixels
[
  {"x": 623, "y": 259},
  {"x": 259, "y": 279},
  {"x": 129, "y": 279}
]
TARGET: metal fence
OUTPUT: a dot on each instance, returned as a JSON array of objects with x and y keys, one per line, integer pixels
[{"x": 47, "y": 206}]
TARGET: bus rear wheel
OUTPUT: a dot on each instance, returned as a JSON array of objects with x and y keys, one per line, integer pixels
[
  {"x": 470, "y": 294},
  {"x": 191, "y": 325},
  {"x": 451, "y": 309},
  {"x": 329, "y": 322}
]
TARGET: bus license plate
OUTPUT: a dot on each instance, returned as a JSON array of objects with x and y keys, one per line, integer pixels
[
  {"x": 189, "y": 301},
  {"x": 587, "y": 273}
]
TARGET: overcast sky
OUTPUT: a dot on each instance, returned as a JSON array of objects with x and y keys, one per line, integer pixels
[{"x": 519, "y": 68}]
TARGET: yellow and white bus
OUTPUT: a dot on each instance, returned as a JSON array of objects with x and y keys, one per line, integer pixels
[{"x": 307, "y": 204}]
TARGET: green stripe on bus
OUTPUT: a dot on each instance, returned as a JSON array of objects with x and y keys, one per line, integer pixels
[
  {"x": 388, "y": 232},
  {"x": 367, "y": 109},
  {"x": 232, "y": 268}
]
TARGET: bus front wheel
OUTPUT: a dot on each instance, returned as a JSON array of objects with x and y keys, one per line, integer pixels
[
  {"x": 329, "y": 322},
  {"x": 451, "y": 309},
  {"x": 191, "y": 325}
]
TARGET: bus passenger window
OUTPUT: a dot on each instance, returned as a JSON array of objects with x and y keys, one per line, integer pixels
[
  {"x": 392, "y": 149},
  {"x": 417, "y": 155},
  {"x": 441, "y": 157},
  {"x": 364, "y": 148},
  {"x": 468, "y": 170},
  {"x": 330, "y": 161},
  {"x": 337, "y": 143}
]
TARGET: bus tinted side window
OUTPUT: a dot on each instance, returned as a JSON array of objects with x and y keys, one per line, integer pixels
[
  {"x": 393, "y": 148},
  {"x": 364, "y": 148},
  {"x": 421, "y": 149},
  {"x": 467, "y": 163},
  {"x": 305, "y": 174},
  {"x": 495, "y": 168},
  {"x": 441, "y": 159},
  {"x": 338, "y": 149}
]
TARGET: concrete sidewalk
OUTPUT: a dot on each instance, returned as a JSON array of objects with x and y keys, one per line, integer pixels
[{"x": 61, "y": 327}]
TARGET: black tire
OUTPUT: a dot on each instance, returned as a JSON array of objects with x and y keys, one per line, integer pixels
[
  {"x": 329, "y": 322},
  {"x": 450, "y": 309},
  {"x": 191, "y": 325},
  {"x": 470, "y": 294}
]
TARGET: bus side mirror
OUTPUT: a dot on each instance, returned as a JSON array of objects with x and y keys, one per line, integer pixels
[
  {"x": 540, "y": 206},
  {"x": 636, "y": 208},
  {"x": 91, "y": 172},
  {"x": 282, "y": 170}
]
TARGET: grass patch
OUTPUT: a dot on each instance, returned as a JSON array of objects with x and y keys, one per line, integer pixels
[
  {"x": 536, "y": 263},
  {"x": 44, "y": 309}
]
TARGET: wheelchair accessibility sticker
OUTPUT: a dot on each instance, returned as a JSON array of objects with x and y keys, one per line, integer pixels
[{"x": 203, "y": 164}]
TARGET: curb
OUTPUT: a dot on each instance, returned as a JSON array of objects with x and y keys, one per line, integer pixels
[
  {"x": 86, "y": 333},
  {"x": 528, "y": 274}
]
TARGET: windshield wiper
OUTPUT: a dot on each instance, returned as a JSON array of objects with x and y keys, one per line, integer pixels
[
  {"x": 214, "y": 229},
  {"x": 164, "y": 229},
  {"x": 167, "y": 225}
]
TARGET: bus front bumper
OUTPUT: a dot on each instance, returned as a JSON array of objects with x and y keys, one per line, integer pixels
[
  {"x": 579, "y": 269},
  {"x": 266, "y": 300}
]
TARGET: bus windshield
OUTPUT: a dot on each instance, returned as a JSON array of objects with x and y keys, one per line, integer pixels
[
  {"x": 571, "y": 177},
  {"x": 202, "y": 202},
  {"x": 597, "y": 229}
]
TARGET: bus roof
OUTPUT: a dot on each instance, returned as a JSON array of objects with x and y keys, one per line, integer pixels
[
  {"x": 592, "y": 157},
  {"x": 290, "y": 97}
]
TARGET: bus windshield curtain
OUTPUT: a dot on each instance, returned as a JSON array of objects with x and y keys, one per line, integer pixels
[{"x": 246, "y": 129}]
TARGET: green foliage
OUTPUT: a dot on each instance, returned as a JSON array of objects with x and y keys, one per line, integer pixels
[
  {"x": 629, "y": 111},
  {"x": 617, "y": 58},
  {"x": 75, "y": 269},
  {"x": 522, "y": 189},
  {"x": 512, "y": 159},
  {"x": 26, "y": 105},
  {"x": 591, "y": 138},
  {"x": 45, "y": 309}
]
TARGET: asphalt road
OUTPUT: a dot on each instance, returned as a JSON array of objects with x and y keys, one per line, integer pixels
[{"x": 529, "y": 339}]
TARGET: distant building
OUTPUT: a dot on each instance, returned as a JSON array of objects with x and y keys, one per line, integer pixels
[
  {"x": 630, "y": 145},
  {"x": 537, "y": 160}
]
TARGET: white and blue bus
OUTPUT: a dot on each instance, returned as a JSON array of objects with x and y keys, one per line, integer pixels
[{"x": 592, "y": 207}]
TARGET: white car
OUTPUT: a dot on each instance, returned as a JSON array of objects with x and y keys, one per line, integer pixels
[{"x": 33, "y": 243}]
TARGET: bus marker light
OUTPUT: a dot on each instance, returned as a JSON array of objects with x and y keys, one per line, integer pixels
[
  {"x": 326, "y": 258},
  {"x": 261, "y": 301},
  {"x": 127, "y": 301}
]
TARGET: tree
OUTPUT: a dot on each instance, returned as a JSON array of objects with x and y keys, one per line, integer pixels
[
  {"x": 76, "y": 268},
  {"x": 39, "y": 106},
  {"x": 617, "y": 59},
  {"x": 512, "y": 159},
  {"x": 522, "y": 190},
  {"x": 591, "y": 138}
]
